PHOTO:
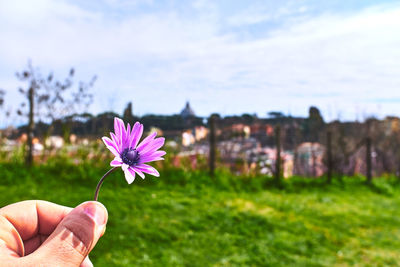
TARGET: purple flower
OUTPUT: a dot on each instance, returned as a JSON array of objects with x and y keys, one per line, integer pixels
[{"x": 129, "y": 154}]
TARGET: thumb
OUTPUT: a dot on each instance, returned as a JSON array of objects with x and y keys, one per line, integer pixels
[{"x": 74, "y": 237}]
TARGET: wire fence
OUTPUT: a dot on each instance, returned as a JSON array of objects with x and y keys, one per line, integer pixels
[{"x": 370, "y": 153}]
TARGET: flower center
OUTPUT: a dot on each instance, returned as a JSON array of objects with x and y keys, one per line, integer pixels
[{"x": 130, "y": 156}]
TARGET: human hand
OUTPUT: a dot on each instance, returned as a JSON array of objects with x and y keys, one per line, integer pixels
[{"x": 40, "y": 233}]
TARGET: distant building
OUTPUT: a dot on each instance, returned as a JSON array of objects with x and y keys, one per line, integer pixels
[
  {"x": 257, "y": 129},
  {"x": 200, "y": 133},
  {"x": 238, "y": 129},
  {"x": 391, "y": 125},
  {"x": 309, "y": 160},
  {"x": 188, "y": 138},
  {"x": 54, "y": 142},
  {"x": 187, "y": 111}
]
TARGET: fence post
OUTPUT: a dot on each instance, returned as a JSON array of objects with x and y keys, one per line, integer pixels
[
  {"x": 368, "y": 159},
  {"x": 31, "y": 125},
  {"x": 278, "y": 163},
  {"x": 211, "y": 121},
  {"x": 329, "y": 154},
  {"x": 313, "y": 162}
]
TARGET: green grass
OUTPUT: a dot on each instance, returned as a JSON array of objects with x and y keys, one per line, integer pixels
[{"x": 184, "y": 218}]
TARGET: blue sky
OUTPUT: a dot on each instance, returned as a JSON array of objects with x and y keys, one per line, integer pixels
[{"x": 230, "y": 57}]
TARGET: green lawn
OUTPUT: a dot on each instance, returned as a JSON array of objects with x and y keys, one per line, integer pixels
[{"x": 187, "y": 219}]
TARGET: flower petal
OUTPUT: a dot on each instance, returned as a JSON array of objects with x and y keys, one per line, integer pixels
[
  {"x": 153, "y": 145},
  {"x": 111, "y": 146},
  {"x": 134, "y": 169},
  {"x": 124, "y": 136},
  {"x": 152, "y": 154},
  {"x": 127, "y": 134},
  {"x": 108, "y": 142},
  {"x": 136, "y": 134},
  {"x": 125, "y": 167},
  {"x": 129, "y": 176},
  {"x": 148, "y": 169},
  {"x": 116, "y": 162},
  {"x": 117, "y": 142},
  {"x": 118, "y": 127},
  {"x": 144, "y": 160},
  {"x": 146, "y": 141}
]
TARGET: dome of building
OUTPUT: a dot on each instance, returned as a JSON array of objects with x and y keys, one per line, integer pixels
[{"x": 187, "y": 111}]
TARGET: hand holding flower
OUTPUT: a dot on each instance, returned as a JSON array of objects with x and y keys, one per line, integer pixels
[{"x": 40, "y": 233}]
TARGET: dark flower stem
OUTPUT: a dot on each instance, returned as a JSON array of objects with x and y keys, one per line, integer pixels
[{"x": 96, "y": 194}]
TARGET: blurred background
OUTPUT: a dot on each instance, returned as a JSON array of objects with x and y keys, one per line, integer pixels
[{"x": 281, "y": 121}]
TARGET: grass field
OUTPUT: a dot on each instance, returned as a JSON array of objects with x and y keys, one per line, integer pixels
[{"x": 187, "y": 219}]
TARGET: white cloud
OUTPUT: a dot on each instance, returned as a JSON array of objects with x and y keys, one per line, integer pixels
[{"x": 161, "y": 59}]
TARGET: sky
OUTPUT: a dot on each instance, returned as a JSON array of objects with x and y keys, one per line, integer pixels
[{"x": 229, "y": 57}]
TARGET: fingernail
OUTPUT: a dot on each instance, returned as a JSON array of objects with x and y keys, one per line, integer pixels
[
  {"x": 97, "y": 213},
  {"x": 86, "y": 262}
]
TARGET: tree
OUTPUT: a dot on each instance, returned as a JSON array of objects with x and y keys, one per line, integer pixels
[
  {"x": 29, "y": 76},
  {"x": 313, "y": 125},
  {"x": 278, "y": 160},
  {"x": 61, "y": 102},
  {"x": 213, "y": 144},
  {"x": 50, "y": 99},
  {"x": 2, "y": 94},
  {"x": 128, "y": 114},
  {"x": 275, "y": 114}
]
